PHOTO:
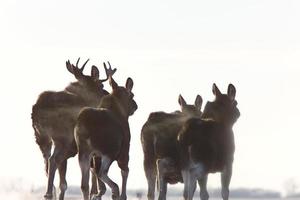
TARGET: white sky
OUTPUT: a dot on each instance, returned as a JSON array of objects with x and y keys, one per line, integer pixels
[{"x": 167, "y": 48}]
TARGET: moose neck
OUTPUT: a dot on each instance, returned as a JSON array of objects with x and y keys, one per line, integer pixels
[
  {"x": 91, "y": 99},
  {"x": 190, "y": 115},
  {"x": 110, "y": 102},
  {"x": 209, "y": 115}
]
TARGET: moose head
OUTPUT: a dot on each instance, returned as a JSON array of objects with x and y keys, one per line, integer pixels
[
  {"x": 191, "y": 110},
  {"x": 224, "y": 108},
  {"x": 124, "y": 95},
  {"x": 92, "y": 82}
]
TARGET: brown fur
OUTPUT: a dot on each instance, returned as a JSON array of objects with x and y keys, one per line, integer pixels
[
  {"x": 104, "y": 132},
  {"x": 210, "y": 141},
  {"x": 159, "y": 137},
  {"x": 54, "y": 116}
]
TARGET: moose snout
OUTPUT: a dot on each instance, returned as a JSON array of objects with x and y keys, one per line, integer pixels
[
  {"x": 134, "y": 108},
  {"x": 237, "y": 114}
]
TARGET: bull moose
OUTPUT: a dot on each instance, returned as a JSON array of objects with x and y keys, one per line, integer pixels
[
  {"x": 206, "y": 145},
  {"x": 158, "y": 137},
  {"x": 54, "y": 116},
  {"x": 104, "y": 133}
]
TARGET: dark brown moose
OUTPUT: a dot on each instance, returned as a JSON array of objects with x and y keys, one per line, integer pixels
[
  {"x": 104, "y": 132},
  {"x": 54, "y": 116},
  {"x": 207, "y": 144},
  {"x": 159, "y": 138}
]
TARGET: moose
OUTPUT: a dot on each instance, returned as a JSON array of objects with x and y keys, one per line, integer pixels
[
  {"x": 103, "y": 133},
  {"x": 159, "y": 138},
  {"x": 207, "y": 145},
  {"x": 54, "y": 117}
]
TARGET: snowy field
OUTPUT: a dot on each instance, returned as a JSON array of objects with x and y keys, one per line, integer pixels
[{"x": 11, "y": 196}]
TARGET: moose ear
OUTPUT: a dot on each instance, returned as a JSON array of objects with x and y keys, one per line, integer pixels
[
  {"x": 231, "y": 91},
  {"x": 112, "y": 83},
  {"x": 181, "y": 101},
  {"x": 198, "y": 102},
  {"x": 129, "y": 84},
  {"x": 69, "y": 67},
  {"x": 216, "y": 90},
  {"x": 95, "y": 72}
]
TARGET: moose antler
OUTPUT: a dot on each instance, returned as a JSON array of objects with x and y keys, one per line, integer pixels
[
  {"x": 75, "y": 69},
  {"x": 82, "y": 68},
  {"x": 109, "y": 71},
  {"x": 77, "y": 62}
]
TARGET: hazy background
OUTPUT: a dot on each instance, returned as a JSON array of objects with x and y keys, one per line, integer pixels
[{"x": 168, "y": 48}]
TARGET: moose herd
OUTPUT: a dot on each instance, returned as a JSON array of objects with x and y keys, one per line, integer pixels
[{"x": 182, "y": 146}]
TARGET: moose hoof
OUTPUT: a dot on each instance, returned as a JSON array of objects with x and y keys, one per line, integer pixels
[
  {"x": 115, "y": 193},
  {"x": 48, "y": 196},
  {"x": 123, "y": 197},
  {"x": 96, "y": 197},
  {"x": 93, "y": 192},
  {"x": 115, "y": 197}
]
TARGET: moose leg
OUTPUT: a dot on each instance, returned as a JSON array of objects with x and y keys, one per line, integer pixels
[
  {"x": 150, "y": 172},
  {"x": 186, "y": 182},
  {"x": 151, "y": 179},
  {"x": 124, "y": 173},
  {"x": 62, "y": 178},
  {"x": 203, "y": 187},
  {"x": 98, "y": 187},
  {"x": 162, "y": 165},
  {"x": 189, "y": 184},
  {"x": 190, "y": 177},
  {"x": 94, "y": 189},
  {"x": 105, "y": 164},
  {"x": 102, "y": 187},
  {"x": 84, "y": 163},
  {"x": 225, "y": 181},
  {"x": 102, "y": 190},
  {"x": 56, "y": 158},
  {"x": 123, "y": 164},
  {"x": 94, "y": 170}
]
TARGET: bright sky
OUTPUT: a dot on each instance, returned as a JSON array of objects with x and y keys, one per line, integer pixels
[{"x": 168, "y": 48}]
